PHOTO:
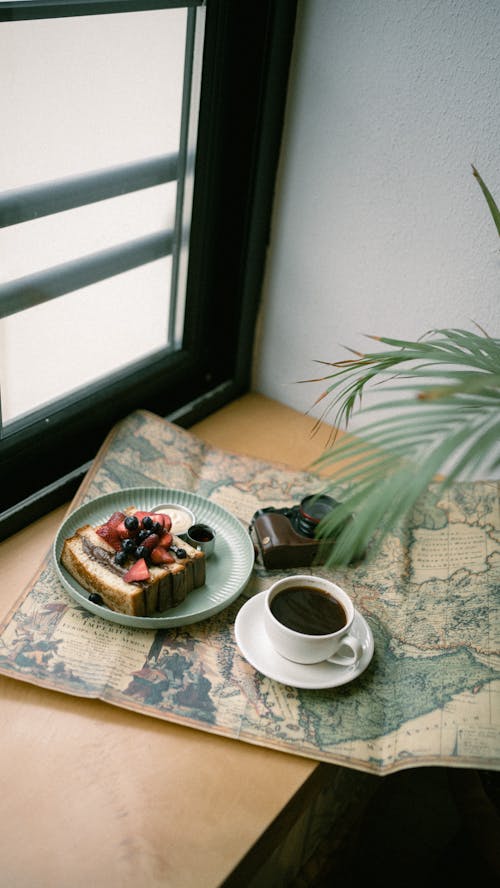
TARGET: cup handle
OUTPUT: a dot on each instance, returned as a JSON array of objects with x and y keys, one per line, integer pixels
[{"x": 355, "y": 647}]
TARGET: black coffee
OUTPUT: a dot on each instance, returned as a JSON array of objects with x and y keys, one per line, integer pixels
[{"x": 308, "y": 610}]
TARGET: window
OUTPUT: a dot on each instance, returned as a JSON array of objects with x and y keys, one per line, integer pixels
[
  {"x": 134, "y": 215},
  {"x": 108, "y": 141}
]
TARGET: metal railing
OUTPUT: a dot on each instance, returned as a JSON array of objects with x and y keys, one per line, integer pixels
[
  {"x": 26, "y": 204},
  {"x": 35, "y": 201}
]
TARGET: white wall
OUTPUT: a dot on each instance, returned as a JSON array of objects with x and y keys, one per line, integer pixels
[{"x": 379, "y": 226}]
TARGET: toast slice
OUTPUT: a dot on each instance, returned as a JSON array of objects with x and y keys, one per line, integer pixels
[{"x": 90, "y": 560}]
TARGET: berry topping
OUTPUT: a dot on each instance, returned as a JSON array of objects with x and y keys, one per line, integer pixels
[
  {"x": 158, "y": 517},
  {"x": 122, "y": 530},
  {"x": 120, "y": 558},
  {"x": 140, "y": 515},
  {"x": 128, "y": 545},
  {"x": 151, "y": 541},
  {"x": 95, "y": 598},
  {"x": 181, "y": 553},
  {"x": 141, "y": 552},
  {"x": 115, "y": 519},
  {"x": 132, "y": 523},
  {"x": 166, "y": 540},
  {"x": 147, "y": 522},
  {"x": 138, "y": 572},
  {"x": 110, "y": 535},
  {"x": 160, "y": 555}
]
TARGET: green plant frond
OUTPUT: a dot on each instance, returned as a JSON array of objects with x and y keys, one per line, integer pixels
[
  {"x": 449, "y": 380},
  {"x": 402, "y": 344},
  {"x": 455, "y": 396},
  {"x": 399, "y": 430},
  {"x": 414, "y": 414},
  {"x": 454, "y": 341},
  {"x": 469, "y": 379},
  {"x": 375, "y": 508},
  {"x": 477, "y": 391},
  {"x": 477, "y": 348},
  {"x": 490, "y": 346},
  {"x": 383, "y": 492},
  {"x": 439, "y": 341},
  {"x": 458, "y": 403},
  {"x": 374, "y": 466},
  {"x": 495, "y": 212},
  {"x": 451, "y": 355},
  {"x": 347, "y": 386},
  {"x": 476, "y": 454},
  {"x": 430, "y": 465},
  {"x": 384, "y": 442}
]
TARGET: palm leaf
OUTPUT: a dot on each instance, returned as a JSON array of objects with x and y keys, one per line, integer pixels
[
  {"x": 392, "y": 460},
  {"x": 447, "y": 388},
  {"x": 489, "y": 199}
]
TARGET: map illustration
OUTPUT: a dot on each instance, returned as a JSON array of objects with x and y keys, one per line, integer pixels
[{"x": 431, "y": 694}]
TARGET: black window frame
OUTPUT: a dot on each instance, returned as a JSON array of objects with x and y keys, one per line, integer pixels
[{"x": 247, "y": 51}]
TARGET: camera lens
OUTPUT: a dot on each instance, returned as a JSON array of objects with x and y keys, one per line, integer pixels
[{"x": 311, "y": 510}]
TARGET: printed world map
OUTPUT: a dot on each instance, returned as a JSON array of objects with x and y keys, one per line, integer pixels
[{"x": 431, "y": 694}]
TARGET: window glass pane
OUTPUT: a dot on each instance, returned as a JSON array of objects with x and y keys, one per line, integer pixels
[
  {"x": 80, "y": 94},
  {"x": 85, "y": 95},
  {"x": 53, "y": 348},
  {"x": 33, "y": 246}
]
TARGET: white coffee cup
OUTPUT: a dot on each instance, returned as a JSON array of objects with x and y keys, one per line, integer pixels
[{"x": 297, "y": 609}]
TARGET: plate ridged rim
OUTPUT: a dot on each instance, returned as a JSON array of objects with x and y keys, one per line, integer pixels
[{"x": 228, "y": 570}]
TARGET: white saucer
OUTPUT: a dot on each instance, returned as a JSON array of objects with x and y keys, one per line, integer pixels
[{"x": 255, "y": 646}]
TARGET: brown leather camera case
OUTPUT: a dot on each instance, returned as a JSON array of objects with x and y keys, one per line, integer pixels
[{"x": 280, "y": 546}]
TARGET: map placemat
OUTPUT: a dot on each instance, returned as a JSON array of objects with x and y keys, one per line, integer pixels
[{"x": 431, "y": 694}]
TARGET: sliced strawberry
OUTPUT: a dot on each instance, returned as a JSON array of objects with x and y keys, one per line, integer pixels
[
  {"x": 115, "y": 519},
  {"x": 151, "y": 541},
  {"x": 160, "y": 555},
  {"x": 108, "y": 530},
  {"x": 161, "y": 519},
  {"x": 122, "y": 531},
  {"x": 110, "y": 535},
  {"x": 166, "y": 540},
  {"x": 137, "y": 573}
]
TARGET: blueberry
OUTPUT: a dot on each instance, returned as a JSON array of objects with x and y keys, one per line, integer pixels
[
  {"x": 157, "y": 528},
  {"x": 128, "y": 545},
  {"x": 147, "y": 522},
  {"x": 181, "y": 553},
  {"x": 132, "y": 522},
  {"x": 95, "y": 598},
  {"x": 141, "y": 552},
  {"x": 120, "y": 558},
  {"x": 143, "y": 535}
]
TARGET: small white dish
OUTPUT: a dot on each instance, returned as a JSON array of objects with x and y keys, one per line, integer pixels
[
  {"x": 182, "y": 518},
  {"x": 256, "y": 648}
]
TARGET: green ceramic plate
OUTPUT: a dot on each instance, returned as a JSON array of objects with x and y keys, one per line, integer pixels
[{"x": 228, "y": 569}]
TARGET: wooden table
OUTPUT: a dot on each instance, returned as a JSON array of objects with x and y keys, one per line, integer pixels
[{"x": 92, "y": 795}]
